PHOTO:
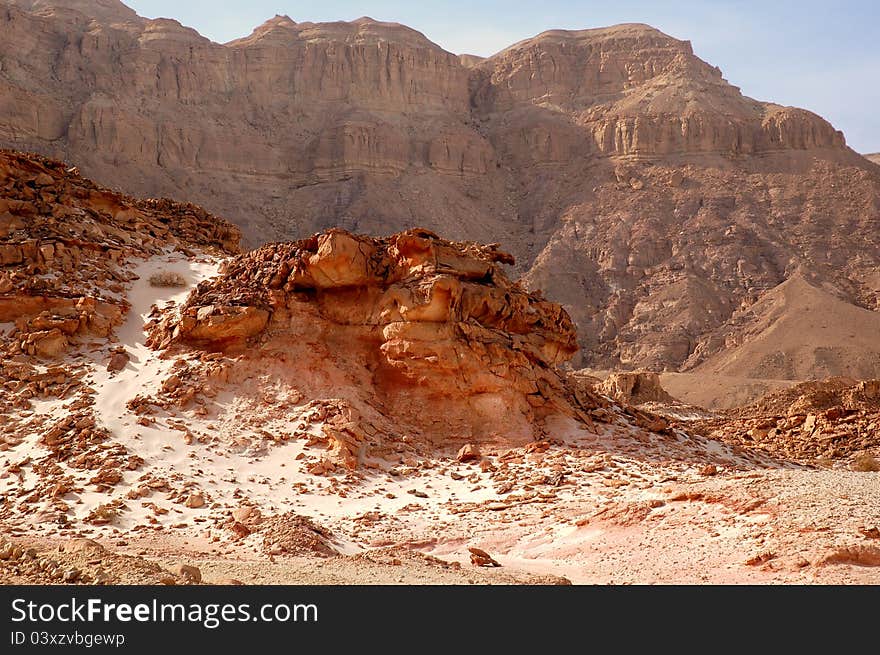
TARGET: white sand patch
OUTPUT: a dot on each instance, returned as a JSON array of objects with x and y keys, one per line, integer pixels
[
  {"x": 28, "y": 450},
  {"x": 145, "y": 370}
]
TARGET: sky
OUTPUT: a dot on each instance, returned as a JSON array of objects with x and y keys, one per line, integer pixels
[{"x": 822, "y": 56}]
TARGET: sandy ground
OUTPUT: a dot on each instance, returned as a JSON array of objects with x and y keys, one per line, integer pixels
[
  {"x": 719, "y": 391},
  {"x": 592, "y": 508},
  {"x": 762, "y": 526}
]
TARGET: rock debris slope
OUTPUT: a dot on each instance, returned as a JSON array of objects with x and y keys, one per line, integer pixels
[
  {"x": 63, "y": 241},
  {"x": 821, "y": 420},
  {"x": 632, "y": 182},
  {"x": 67, "y": 250}
]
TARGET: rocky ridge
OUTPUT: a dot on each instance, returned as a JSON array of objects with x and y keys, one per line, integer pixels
[{"x": 819, "y": 421}]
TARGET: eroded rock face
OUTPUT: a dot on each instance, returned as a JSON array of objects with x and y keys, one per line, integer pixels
[
  {"x": 335, "y": 111},
  {"x": 429, "y": 332},
  {"x": 632, "y": 90},
  {"x": 635, "y": 388}
]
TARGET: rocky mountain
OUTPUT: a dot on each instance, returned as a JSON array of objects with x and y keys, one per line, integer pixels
[
  {"x": 875, "y": 157},
  {"x": 632, "y": 183}
]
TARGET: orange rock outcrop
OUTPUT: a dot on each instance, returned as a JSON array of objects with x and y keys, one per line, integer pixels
[{"x": 428, "y": 333}]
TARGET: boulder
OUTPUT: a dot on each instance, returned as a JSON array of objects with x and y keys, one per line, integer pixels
[
  {"x": 188, "y": 572},
  {"x": 118, "y": 361}
]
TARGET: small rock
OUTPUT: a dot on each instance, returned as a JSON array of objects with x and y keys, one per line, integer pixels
[
  {"x": 71, "y": 575},
  {"x": 81, "y": 545},
  {"x": 468, "y": 452},
  {"x": 481, "y": 558},
  {"x": 242, "y": 513},
  {"x": 760, "y": 558},
  {"x": 118, "y": 361},
  {"x": 171, "y": 383},
  {"x": 870, "y": 533},
  {"x": 195, "y": 501},
  {"x": 559, "y": 580},
  {"x": 102, "y": 578},
  {"x": 240, "y": 529}
]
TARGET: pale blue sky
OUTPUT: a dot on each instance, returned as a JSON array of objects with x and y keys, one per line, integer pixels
[{"x": 820, "y": 55}]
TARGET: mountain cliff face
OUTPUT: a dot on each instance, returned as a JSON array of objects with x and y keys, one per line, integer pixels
[
  {"x": 631, "y": 90},
  {"x": 631, "y": 181}
]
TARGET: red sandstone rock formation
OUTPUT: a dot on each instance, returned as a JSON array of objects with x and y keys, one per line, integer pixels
[
  {"x": 635, "y": 388},
  {"x": 410, "y": 333}
]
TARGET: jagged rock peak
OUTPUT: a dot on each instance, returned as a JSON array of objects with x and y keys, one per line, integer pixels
[
  {"x": 622, "y": 33},
  {"x": 107, "y": 11},
  {"x": 361, "y": 31},
  {"x": 281, "y": 20}
]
